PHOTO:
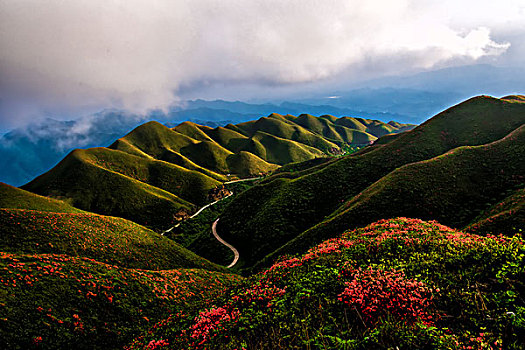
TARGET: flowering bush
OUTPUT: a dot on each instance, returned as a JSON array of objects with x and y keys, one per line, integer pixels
[
  {"x": 375, "y": 294},
  {"x": 402, "y": 283}
]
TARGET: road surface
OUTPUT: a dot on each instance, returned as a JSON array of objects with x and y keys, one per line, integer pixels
[
  {"x": 235, "y": 251},
  {"x": 197, "y": 213}
]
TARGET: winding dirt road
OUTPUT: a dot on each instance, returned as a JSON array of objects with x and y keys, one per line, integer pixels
[
  {"x": 235, "y": 251},
  {"x": 214, "y": 225},
  {"x": 197, "y": 213}
]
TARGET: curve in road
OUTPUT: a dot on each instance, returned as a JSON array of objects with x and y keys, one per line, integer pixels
[
  {"x": 235, "y": 251},
  {"x": 197, "y": 213}
]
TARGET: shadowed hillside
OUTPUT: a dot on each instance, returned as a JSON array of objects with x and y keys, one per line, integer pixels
[
  {"x": 506, "y": 217},
  {"x": 269, "y": 215},
  {"x": 453, "y": 188}
]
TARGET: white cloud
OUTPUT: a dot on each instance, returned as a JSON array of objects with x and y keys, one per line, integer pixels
[{"x": 85, "y": 54}]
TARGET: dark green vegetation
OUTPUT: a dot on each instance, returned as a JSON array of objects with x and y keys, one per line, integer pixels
[
  {"x": 154, "y": 172},
  {"x": 398, "y": 283},
  {"x": 507, "y": 216},
  {"x": 265, "y": 218}
]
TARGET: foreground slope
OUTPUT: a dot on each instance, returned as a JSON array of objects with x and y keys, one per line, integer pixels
[
  {"x": 57, "y": 301},
  {"x": 58, "y": 228},
  {"x": 398, "y": 283},
  {"x": 267, "y": 216},
  {"x": 107, "y": 239}
]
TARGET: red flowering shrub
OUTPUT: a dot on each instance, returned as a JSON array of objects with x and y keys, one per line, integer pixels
[
  {"x": 155, "y": 344},
  {"x": 378, "y": 293},
  {"x": 210, "y": 321}
]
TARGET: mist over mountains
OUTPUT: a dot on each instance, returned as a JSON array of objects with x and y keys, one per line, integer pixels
[{"x": 30, "y": 150}]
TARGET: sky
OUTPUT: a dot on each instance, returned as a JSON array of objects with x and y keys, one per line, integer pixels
[{"x": 68, "y": 58}]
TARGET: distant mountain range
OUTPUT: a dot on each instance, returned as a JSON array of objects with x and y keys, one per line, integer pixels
[{"x": 27, "y": 152}]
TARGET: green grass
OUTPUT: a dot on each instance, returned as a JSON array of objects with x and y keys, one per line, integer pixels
[
  {"x": 16, "y": 198},
  {"x": 106, "y": 239},
  {"x": 195, "y": 233},
  {"x": 57, "y": 301},
  {"x": 263, "y": 219},
  {"x": 398, "y": 283},
  {"x": 94, "y": 183},
  {"x": 154, "y": 172}
]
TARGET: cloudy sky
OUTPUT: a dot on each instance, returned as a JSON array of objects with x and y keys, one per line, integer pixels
[{"x": 60, "y": 58}]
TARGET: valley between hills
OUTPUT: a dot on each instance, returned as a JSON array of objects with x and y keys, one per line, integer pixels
[{"x": 286, "y": 232}]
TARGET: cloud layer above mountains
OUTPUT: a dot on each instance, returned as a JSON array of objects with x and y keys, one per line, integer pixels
[{"x": 62, "y": 57}]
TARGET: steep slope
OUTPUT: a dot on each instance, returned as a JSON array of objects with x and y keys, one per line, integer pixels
[
  {"x": 115, "y": 183},
  {"x": 453, "y": 188},
  {"x": 267, "y": 216},
  {"x": 16, "y": 198},
  {"x": 189, "y": 145}
]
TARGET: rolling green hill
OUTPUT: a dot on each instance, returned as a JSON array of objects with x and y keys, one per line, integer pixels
[
  {"x": 267, "y": 216},
  {"x": 115, "y": 183},
  {"x": 106, "y": 239},
  {"x": 16, "y": 198},
  {"x": 154, "y": 172},
  {"x": 32, "y": 224},
  {"x": 453, "y": 188}
]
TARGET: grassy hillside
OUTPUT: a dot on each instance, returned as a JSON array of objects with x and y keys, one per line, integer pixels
[
  {"x": 154, "y": 172},
  {"x": 506, "y": 217},
  {"x": 56, "y": 301},
  {"x": 442, "y": 188},
  {"x": 267, "y": 216},
  {"x": 115, "y": 183},
  {"x": 16, "y": 198},
  {"x": 399, "y": 283},
  {"x": 106, "y": 239}
]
